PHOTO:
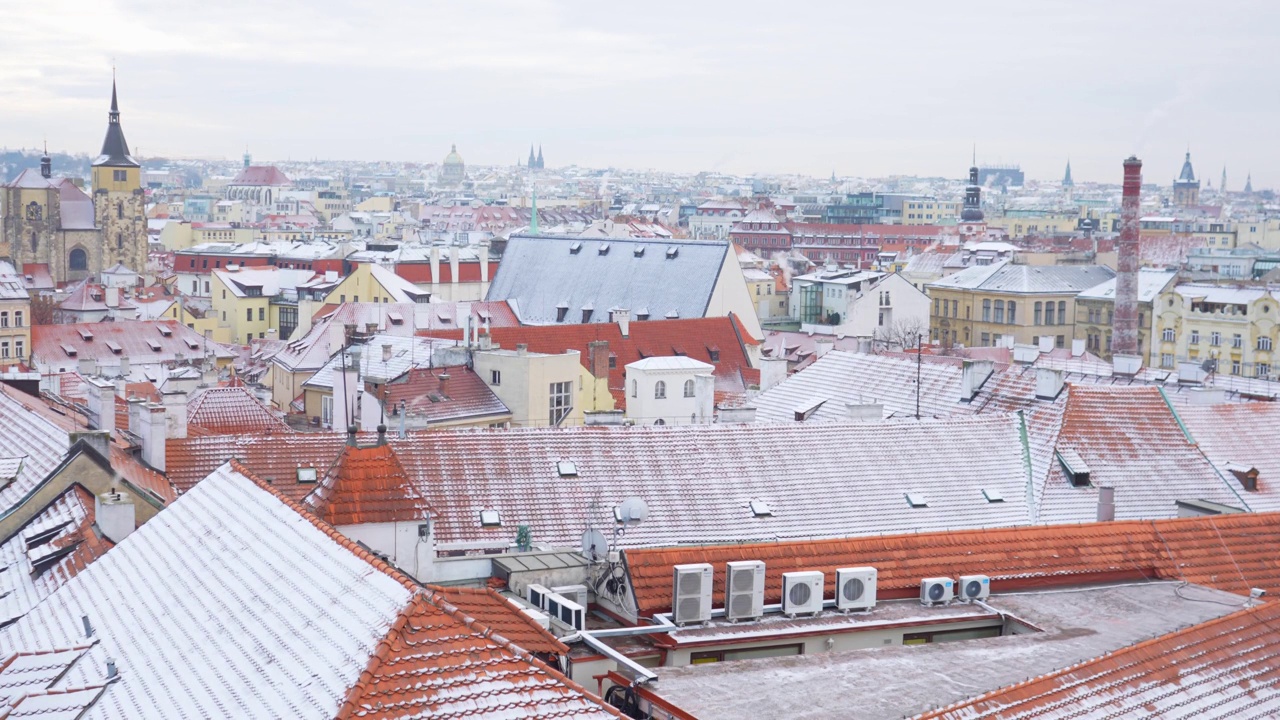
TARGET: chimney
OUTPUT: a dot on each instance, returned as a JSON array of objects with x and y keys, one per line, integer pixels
[
  {"x": 824, "y": 345},
  {"x": 1046, "y": 344},
  {"x": 85, "y": 366},
  {"x": 1025, "y": 354},
  {"x": 114, "y": 514},
  {"x": 124, "y": 367},
  {"x": 453, "y": 264},
  {"x": 736, "y": 415},
  {"x": 102, "y": 404},
  {"x": 772, "y": 372},
  {"x": 435, "y": 266},
  {"x": 1048, "y": 383},
  {"x": 872, "y": 412},
  {"x": 337, "y": 337},
  {"x": 175, "y": 405},
  {"x": 522, "y": 349},
  {"x": 152, "y": 428},
  {"x": 973, "y": 375},
  {"x": 113, "y": 297},
  {"x": 598, "y": 358},
  {"x": 1077, "y": 347},
  {"x": 99, "y": 439},
  {"x": 444, "y": 383},
  {"x": 623, "y": 319},
  {"x": 1124, "y": 338},
  {"x": 1106, "y": 504}
]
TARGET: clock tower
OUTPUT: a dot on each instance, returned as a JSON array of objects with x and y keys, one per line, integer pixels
[{"x": 118, "y": 200}]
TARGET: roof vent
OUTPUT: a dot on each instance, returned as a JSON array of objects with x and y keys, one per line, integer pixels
[
  {"x": 70, "y": 351},
  {"x": 1246, "y": 474},
  {"x": 1074, "y": 466},
  {"x": 165, "y": 330},
  {"x": 575, "y": 248},
  {"x": 114, "y": 347},
  {"x": 638, "y": 251},
  {"x": 86, "y": 335},
  {"x": 760, "y": 508},
  {"x": 603, "y": 249},
  {"x": 916, "y": 500},
  {"x": 154, "y": 344},
  {"x": 672, "y": 252}
]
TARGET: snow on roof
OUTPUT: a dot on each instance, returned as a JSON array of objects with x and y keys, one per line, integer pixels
[
  {"x": 231, "y": 410},
  {"x": 1151, "y": 282},
  {"x": 672, "y": 363},
  {"x": 1241, "y": 434},
  {"x": 1006, "y": 277},
  {"x": 261, "y": 175}
]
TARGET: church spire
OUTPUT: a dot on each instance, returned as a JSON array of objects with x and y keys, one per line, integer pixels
[
  {"x": 541, "y": 164},
  {"x": 1066, "y": 179},
  {"x": 1248, "y": 183},
  {"x": 115, "y": 150},
  {"x": 46, "y": 163}
]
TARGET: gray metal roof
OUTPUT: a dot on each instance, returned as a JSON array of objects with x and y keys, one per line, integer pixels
[
  {"x": 540, "y": 274},
  {"x": 1007, "y": 277}
]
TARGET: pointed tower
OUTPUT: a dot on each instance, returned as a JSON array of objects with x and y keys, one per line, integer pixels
[
  {"x": 533, "y": 159},
  {"x": 118, "y": 202},
  {"x": 972, "y": 221},
  {"x": 248, "y": 159},
  {"x": 1186, "y": 189},
  {"x": 46, "y": 164},
  {"x": 541, "y": 163},
  {"x": 1248, "y": 183},
  {"x": 1066, "y": 179},
  {"x": 1222, "y": 186}
]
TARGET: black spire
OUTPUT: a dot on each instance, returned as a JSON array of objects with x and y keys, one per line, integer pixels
[
  {"x": 115, "y": 151},
  {"x": 972, "y": 211},
  {"x": 46, "y": 163},
  {"x": 540, "y": 161}
]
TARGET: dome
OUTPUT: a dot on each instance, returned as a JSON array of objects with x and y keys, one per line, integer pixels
[{"x": 453, "y": 158}]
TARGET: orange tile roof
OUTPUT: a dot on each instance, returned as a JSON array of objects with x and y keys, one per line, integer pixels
[
  {"x": 275, "y": 458},
  {"x": 1232, "y": 553},
  {"x": 1222, "y": 667},
  {"x": 367, "y": 485},
  {"x": 437, "y": 662},
  {"x": 141, "y": 476},
  {"x": 489, "y": 608},
  {"x": 230, "y": 410}
]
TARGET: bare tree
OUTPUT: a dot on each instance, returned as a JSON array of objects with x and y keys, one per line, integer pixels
[{"x": 901, "y": 334}]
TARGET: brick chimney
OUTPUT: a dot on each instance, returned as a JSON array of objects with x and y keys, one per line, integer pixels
[
  {"x": 1125, "y": 329},
  {"x": 444, "y": 383},
  {"x": 598, "y": 358}
]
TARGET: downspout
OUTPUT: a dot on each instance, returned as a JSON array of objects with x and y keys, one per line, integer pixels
[{"x": 1026, "y": 461}]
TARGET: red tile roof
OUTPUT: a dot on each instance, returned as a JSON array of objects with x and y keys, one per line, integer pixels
[
  {"x": 274, "y": 458},
  {"x": 367, "y": 485},
  {"x": 136, "y": 339},
  {"x": 1223, "y": 667},
  {"x": 1232, "y": 553},
  {"x": 695, "y": 337},
  {"x": 489, "y": 608},
  {"x": 1241, "y": 434},
  {"x": 437, "y": 662},
  {"x": 230, "y": 410},
  {"x": 261, "y": 175},
  {"x": 463, "y": 396}
]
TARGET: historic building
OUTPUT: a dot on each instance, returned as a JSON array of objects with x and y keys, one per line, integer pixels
[
  {"x": 51, "y": 221},
  {"x": 1186, "y": 189},
  {"x": 454, "y": 171}
]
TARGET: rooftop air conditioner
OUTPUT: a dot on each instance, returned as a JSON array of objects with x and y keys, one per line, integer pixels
[
  {"x": 974, "y": 587},
  {"x": 691, "y": 594},
  {"x": 537, "y": 596},
  {"x": 566, "y": 613},
  {"x": 802, "y": 593},
  {"x": 744, "y": 590},
  {"x": 576, "y": 593},
  {"x": 936, "y": 591},
  {"x": 855, "y": 588}
]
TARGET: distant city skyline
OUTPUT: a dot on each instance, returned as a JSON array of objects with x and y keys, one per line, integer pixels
[{"x": 861, "y": 91}]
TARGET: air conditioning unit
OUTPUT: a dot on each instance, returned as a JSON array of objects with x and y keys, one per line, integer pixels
[
  {"x": 691, "y": 594},
  {"x": 974, "y": 587},
  {"x": 856, "y": 588},
  {"x": 744, "y": 590},
  {"x": 576, "y": 593},
  {"x": 565, "y": 612},
  {"x": 539, "y": 618},
  {"x": 801, "y": 593},
  {"x": 537, "y": 596},
  {"x": 936, "y": 591}
]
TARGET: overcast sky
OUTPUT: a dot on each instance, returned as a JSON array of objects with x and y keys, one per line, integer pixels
[{"x": 866, "y": 89}]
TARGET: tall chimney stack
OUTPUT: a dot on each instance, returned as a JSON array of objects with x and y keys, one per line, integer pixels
[{"x": 1124, "y": 334}]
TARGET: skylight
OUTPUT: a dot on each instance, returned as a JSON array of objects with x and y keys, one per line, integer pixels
[
  {"x": 992, "y": 495},
  {"x": 306, "y": 474},
  {"x": 567, "y": 468},
  {"x": 490, "y": 518},
  {"x": 760, "y": 508},
  {"x": 165, "y": 331},
  {"x": 916, "y": 500}
]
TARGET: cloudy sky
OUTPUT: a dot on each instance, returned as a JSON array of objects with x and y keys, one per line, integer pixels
[{"x": 866, "y": 89}]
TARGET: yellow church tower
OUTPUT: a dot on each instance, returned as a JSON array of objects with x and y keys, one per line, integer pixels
[{"x": 119, "y": 202}]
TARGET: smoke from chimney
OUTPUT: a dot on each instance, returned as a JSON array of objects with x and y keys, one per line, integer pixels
[{"x": 1124, "y": 336}]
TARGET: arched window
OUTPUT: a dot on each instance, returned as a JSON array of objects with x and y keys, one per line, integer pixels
[
  {"x": 35, "y": 241},
  {"x": 79, "y": 260},
  {"x": 660, "y": 421},
  {"x": 1013, "y": 310},
  {"x": 119, "y": 241},
  {"x": 120, "y": 210},
  {"x": 688, "y": 388},
  {"x": 986, "y": 310},
  {"x": 635, "y": 389},
  {"x": 659, "y": 390}
]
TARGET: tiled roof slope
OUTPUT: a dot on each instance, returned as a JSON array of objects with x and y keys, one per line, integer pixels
[
  {"x": 541, "y": 273},
  {"x": 1131, "y": 441},
  {"x": 697, "y": 338},
  {"x": 230, "y": 410},
  {"x": 31, "y": 572},
  {"x": 27, "y": 434},
  {"x": 1246, "y": 434},
  {"x": 417, "y": 317},
  {"x": 228, "y": 604},
  {"x": 439, "y": 663},
  {"x": 464, "y": 396},
  {"x": 367, "y": 485},
  {"x": 274, "y": 458},
  {"x": 1221, "y": 668},
  {"x": 489, "y": 608},
  {"x": 134, "y": 338},
  {"x": 1232, "y": 553}
]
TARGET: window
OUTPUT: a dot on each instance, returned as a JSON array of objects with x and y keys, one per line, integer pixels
[
  {"x": 955, "y": 309},
  {"x": 1166, "y": 360},
  {"x": 635, "y": 389},
  {"x": 1062, "y": 341},
  {"x": 17, "y": 318},
  {"x": 1235, "y": 367},
  {"x": 78, "y": 260},
  {"x": 326, "y": 411},
  {"x": 1048, "y": 314},
  {"x": 986, "y": 311},
  {"x": 659, "y": 390},
  {"x": 1237, "y": 341},
  {"x": 1215, "y": 338},
  {"x": 1062, "y": 312},
  {"x": 1036, "y": 319},
  {"x": 1195, "y": 337},
  {"x": 1013, "y": 308},
  {"x": 688, "y": 388},
  {"x": 715, "y": 656},
  {"x": 1264, "y": 343},
  {"x": 1168, "y": 335},
  {"x": 936, "y": 304},
  {"x": 561, "y": 402},
  {"x": 262, "y": 313},
  {"x": 4, "y": 348},
  {"x": 119, "y": 175},
  {"x": 248, "y": 313},
  {"x": 1263, "y": 369},
  {"x": 999, "y": 311},
  {"x": 20, "y": 349},
  {"x": 4, "y": 319},
  {"x": 986, "y": 339}
]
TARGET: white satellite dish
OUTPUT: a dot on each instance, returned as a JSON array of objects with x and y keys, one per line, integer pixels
[
  {"x": 632, "y": 511},
  {"x": 594, "y": 545}
]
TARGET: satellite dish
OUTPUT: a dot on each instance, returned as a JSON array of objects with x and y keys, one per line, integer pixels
[
  {"x": 594, "y": 545},
  {"x": 632, "y": 511}
]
